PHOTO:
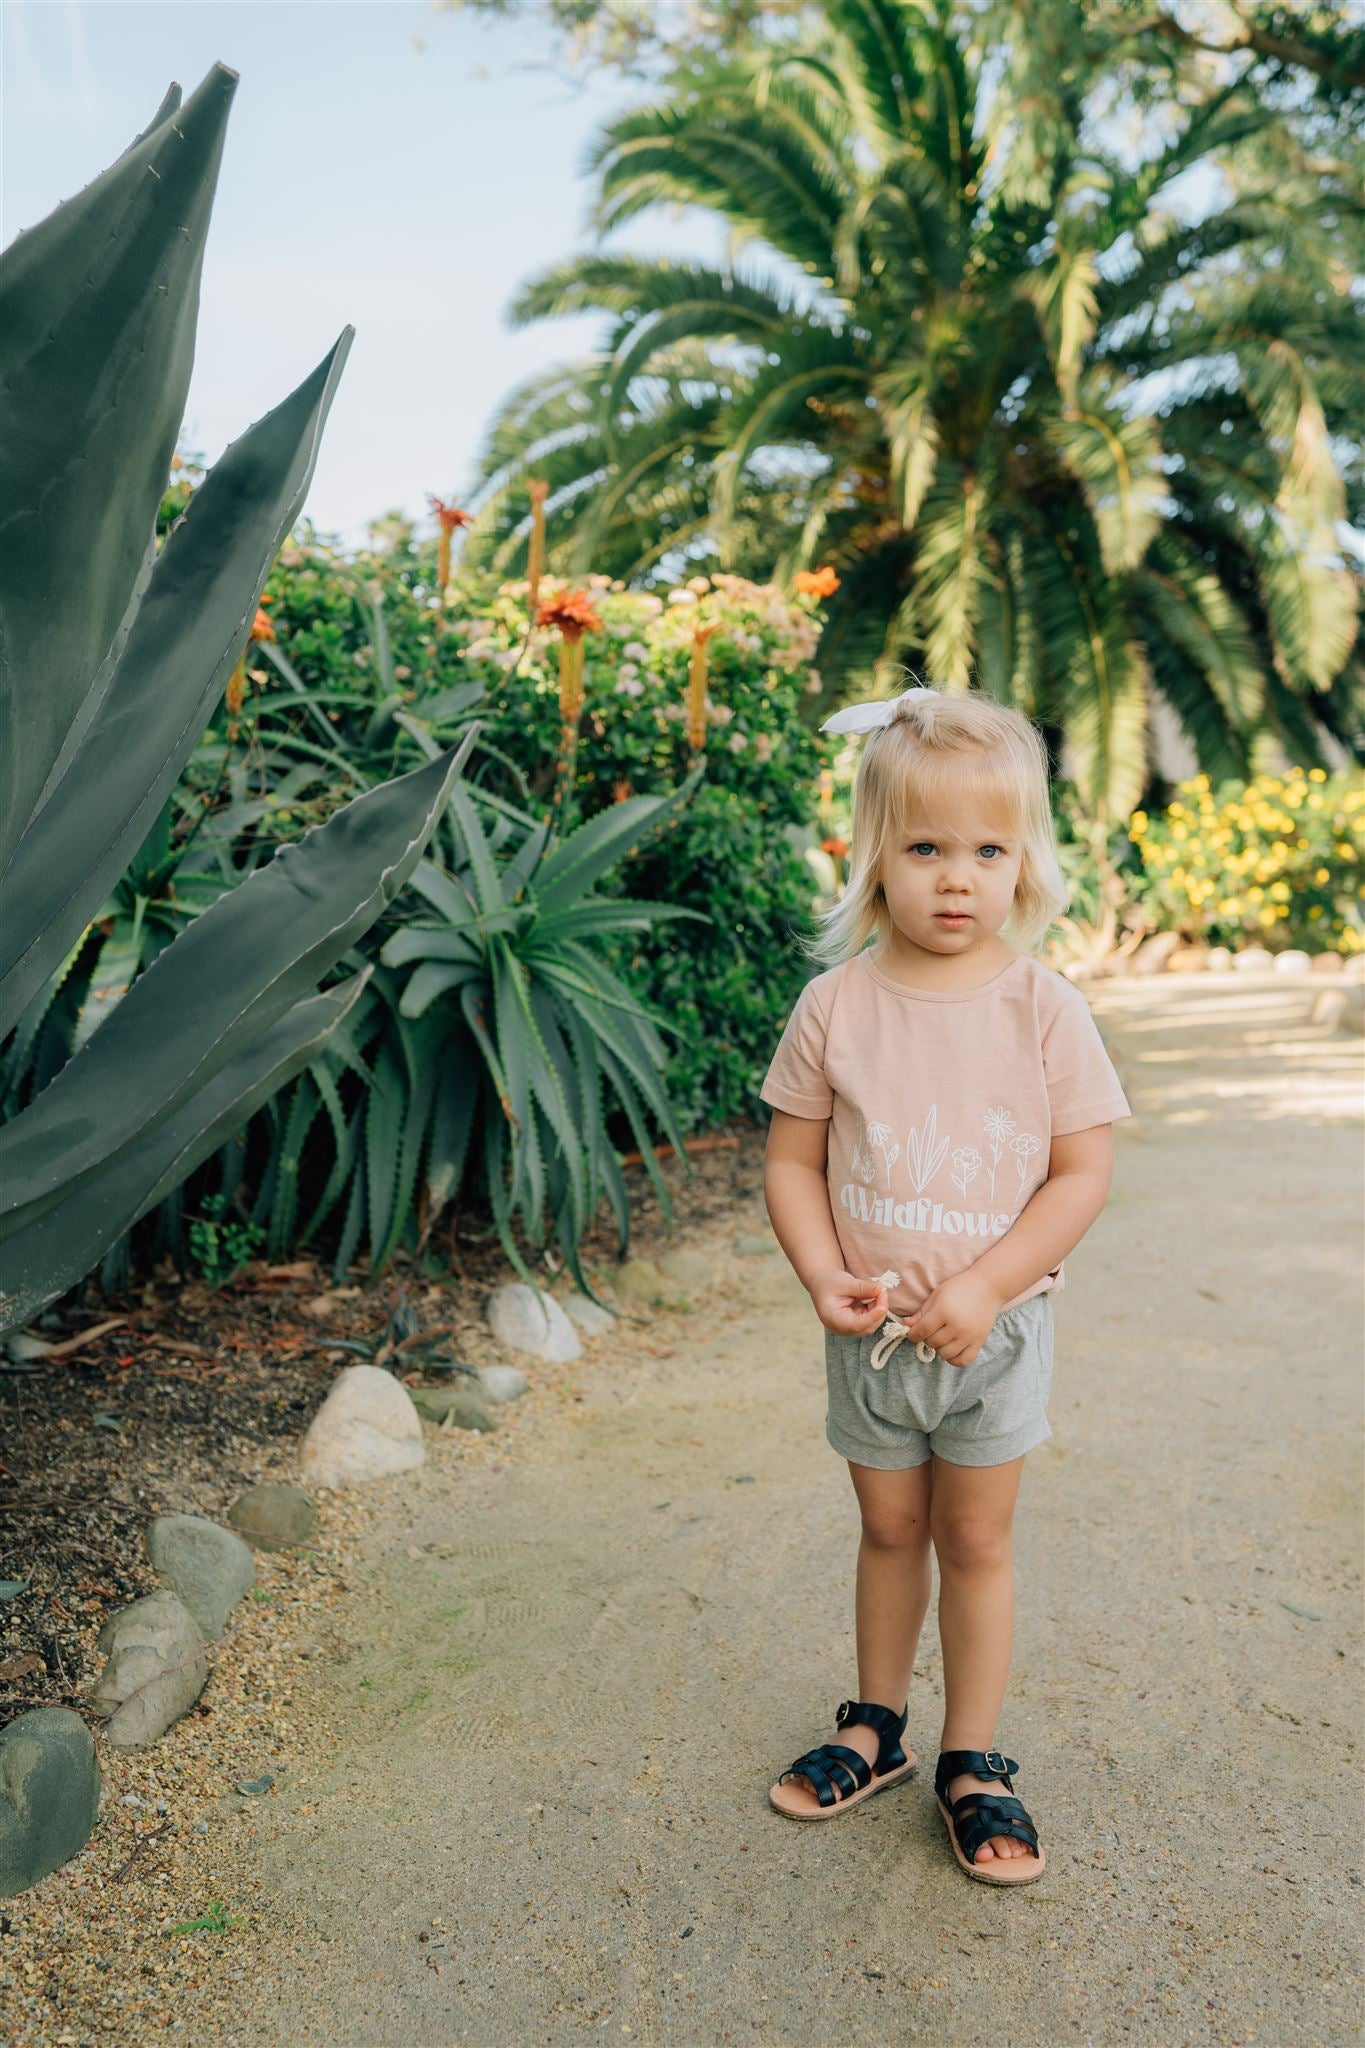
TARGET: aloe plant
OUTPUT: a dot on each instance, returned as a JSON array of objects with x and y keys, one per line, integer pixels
[
  {"x": 112, "y": 656},
  {"x": 551, "y": 1034}
]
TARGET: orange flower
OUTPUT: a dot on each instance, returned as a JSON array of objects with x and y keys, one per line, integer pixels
[
  {"x": 816, "y": 582},
  {"x": 261, "y": 627},
  {"x": 838, "y": 847},
  {"x": 696, "y": 687},
  {"x": 572, "y": 612},
  {"x": 450, "y": 516}
]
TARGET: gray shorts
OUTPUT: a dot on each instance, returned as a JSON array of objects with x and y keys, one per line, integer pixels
[{"x": 984, "y": 1413}]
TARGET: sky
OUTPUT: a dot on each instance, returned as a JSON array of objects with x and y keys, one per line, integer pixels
[{"x": 386, "y": 165}]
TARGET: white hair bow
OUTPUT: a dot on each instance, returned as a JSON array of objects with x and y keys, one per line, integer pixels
[{"x": 867, "y": 717}]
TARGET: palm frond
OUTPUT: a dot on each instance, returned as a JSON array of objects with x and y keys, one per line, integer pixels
[
  {"x": 905, "y": 394},
  {"x": 1188, "y": 605},
  {"x": 950, "y": 568},
  {"x": 726, "y": 155},
  {"x": 1118, "y": 461},
  {"x": 811, "y": 362}
]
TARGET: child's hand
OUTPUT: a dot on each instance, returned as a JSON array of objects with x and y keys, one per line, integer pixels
[
  {"x": 848, "y": 1306},
  {"x": 957, "y": 1317}
]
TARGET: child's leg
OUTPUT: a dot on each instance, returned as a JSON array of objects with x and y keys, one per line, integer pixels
[
  {"x": 971, "y": 1522},
  {"x": 892, "y": 1589},
  {"x": 890, "y": 1602}
]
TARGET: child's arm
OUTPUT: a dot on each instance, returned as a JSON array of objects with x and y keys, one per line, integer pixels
[
  {"x": 1056, "y": 1218},
  {"x": 797, "y": 1198}
]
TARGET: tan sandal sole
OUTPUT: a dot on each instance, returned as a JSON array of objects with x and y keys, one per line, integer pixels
[
  {"x": 889, "y": 1778},
  {"x": 980, "y": 1871}
]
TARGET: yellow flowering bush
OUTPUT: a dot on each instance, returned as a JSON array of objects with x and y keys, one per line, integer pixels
[{"x": 1276, "y": 861}]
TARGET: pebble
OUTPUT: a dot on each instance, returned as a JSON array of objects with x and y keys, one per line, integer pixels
[
  {"x": 528, "y": 1319},
  {"x": 452, "y": 1407},
  {"x": 49, "y": 1795},
  {"x": 367, "y": 1428},
  {"x": 272, "y": 1516},
  {"x": 155, "y": 1669},
  {"x": 591, "y": 1319},
  {"x": 640, "y": 1280},
  {"x": 208, "y": 1568},
  {"x": 503, "y": 1382}
]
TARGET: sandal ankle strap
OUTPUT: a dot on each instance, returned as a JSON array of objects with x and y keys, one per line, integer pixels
[
  {"x": 889, "y": 1725},
  {"x": 976, "y": 1763}
]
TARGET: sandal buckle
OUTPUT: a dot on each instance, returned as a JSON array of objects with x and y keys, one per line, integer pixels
[
  {"x": 995, "y": 1761},
  {"x": 841, "y": 1713}
]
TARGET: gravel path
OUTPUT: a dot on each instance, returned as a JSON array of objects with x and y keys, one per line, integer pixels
[{"x": 575, "y": 1674}]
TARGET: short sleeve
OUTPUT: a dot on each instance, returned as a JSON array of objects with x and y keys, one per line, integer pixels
[
  {"x": 1082, "y": 1086},
  {"x": 795, "y": 1079}
]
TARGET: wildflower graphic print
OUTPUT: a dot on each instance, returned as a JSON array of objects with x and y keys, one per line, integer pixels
[
  {"x": 1003, "y": 1170},
  {"x": 941, "y": 1109},
  {"x": 869, "y": 1139}
]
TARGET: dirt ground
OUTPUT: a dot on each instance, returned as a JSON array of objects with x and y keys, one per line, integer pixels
[{"x": 560, "y": 1666}]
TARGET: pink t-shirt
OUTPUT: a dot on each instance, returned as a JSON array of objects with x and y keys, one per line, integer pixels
[{"x": 942, "y": 1106}]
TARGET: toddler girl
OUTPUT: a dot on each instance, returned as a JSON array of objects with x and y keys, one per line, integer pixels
[{"x": 940, "y": 1140}]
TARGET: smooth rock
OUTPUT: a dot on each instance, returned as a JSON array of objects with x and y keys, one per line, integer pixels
[
  {"x": 273, "y": 1516},
  {"x": 752, "y": 1247},
  {"x": 208, "y": 1567},
  {"x": 1326, "y": 963},
  {"x": 1253, "y": 960},
  {"x": 1188, "y": 960},
  {"x": 688, "y": 1268},
  {"x": 367, "y": 1428},
  {"x": 591, "y": 1319},
  {"x": 1219, "y": 960},
  {"x": 503, "y": 1382},
  {"x": 640, "y": 1280},
  {"x": 155, "y": 1669},
  {"x": 49, "y": 1795},
  {"x": 1292, "y": 961},
  {"x": 453, "y": 1407},
  {"x": 528, "y": 1319},
  {"x": 23, "y": 1349}
]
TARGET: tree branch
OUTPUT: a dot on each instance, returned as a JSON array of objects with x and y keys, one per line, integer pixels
[{"x": 1326, "y": 62}]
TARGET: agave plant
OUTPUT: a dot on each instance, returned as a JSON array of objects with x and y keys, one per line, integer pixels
[
  {"x": 491, "y": 1044},
  {"x": 1059, "y": 440},
  {"x": 112, "y": 656}
]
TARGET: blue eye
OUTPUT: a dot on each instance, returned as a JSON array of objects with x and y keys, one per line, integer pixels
[{"x": 918, "y": 843}]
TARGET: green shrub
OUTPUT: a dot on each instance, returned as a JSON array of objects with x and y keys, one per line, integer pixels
[
  {"x": 1276, "y": 860},
  {"x": 370, "y": 655}
]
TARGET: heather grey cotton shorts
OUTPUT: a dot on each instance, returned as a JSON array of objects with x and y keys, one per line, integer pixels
[{"x": 984, "y": 1413}]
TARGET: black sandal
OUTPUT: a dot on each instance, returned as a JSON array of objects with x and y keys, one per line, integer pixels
[
  {"x": 840, "y": 1776},
  {"x": 976, "y": 1816}
]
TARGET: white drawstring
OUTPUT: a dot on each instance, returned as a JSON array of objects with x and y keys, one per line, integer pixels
[{"x": 892, "y": 1330}]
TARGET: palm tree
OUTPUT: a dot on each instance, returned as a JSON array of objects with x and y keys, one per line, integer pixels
[{"x": 1058, "y": 440}]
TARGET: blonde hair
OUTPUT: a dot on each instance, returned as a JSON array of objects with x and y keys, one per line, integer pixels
[{"x": 958, "y": 744}]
